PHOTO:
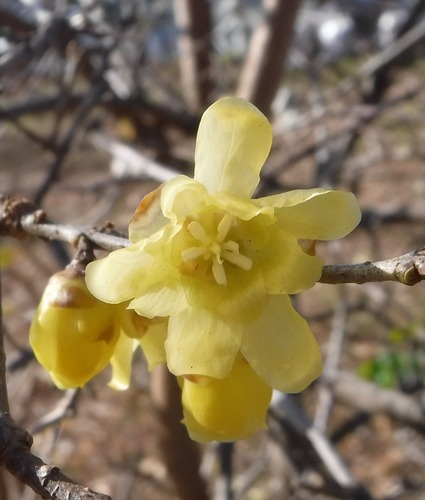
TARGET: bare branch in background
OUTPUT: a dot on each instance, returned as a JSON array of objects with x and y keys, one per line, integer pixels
[
  {"x": 192, "y": 18},
  {"x": 64, "y": 145},
  {"x": 331, "y": 364},
  {"x": 65, "y": 408},
  {"x": 263, "y": 69},
  {"x": 286, "y": 409},
  {"x": 127, "y": 163}
]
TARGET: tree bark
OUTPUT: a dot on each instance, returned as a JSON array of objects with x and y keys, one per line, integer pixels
[
  {"x": 264, "y": 65},
  {"x": 192, "y": 18}
]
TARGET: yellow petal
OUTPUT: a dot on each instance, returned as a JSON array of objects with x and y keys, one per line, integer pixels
[
  {"x": 243, "y": 208},
  {"x": 162, "y": 298},
  {"x": 183, "y": 197},
  {"x": 233, "y": 142},
  {"x": 131, "y": 323},
  {"x": 315, "y": 214},
  {"x": 160, "y": 291},
  {"x": 242, "y": 299},
  {"x": 281, "y": 348},
  {"x": 285, "y": 266},
  {"x": 121, "y": 362},
  {"x": 152, "y": 344},
  {"x": 148, "y": 217},
  {"x": 228, "y": 409},
  {"x": 116, "y": 278},
  {"x": 201, "y": 343}
]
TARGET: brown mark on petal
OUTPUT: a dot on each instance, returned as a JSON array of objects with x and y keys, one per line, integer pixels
[
  {"x": 108, "y": 335},
  {"x": 148, "y": 208},
  {"x": 308, "y": 246},
  {"x": 202, "y": 380},
  {"x": 65, "y": 292}
]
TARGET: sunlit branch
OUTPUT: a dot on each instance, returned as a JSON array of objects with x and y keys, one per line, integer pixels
[
  {"x": 71, "y": 234},
  {"x": 407, "y": 269}
]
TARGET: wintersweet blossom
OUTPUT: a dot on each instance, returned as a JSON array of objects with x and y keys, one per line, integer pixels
[
  {"x": 225, "y": 409},
  {"x": 74, "y": 335},
  {"x": 220, "y": 265}
]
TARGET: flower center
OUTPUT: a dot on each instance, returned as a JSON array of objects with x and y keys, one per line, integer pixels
[{"x": 216, "y": 248}]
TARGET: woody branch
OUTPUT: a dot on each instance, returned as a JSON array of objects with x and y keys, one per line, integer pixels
[{"x": 20, "y": 218}]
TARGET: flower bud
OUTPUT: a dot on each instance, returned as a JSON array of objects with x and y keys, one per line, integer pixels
[
  {"x": 225, "y": 409},
  {"x": 73, "y": 334}
]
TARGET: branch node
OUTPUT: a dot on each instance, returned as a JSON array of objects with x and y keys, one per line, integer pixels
[
  {"x": 12, "y": 210},
  {"x": 407, "y": 273},
  {"x": 47, "y": 473}
]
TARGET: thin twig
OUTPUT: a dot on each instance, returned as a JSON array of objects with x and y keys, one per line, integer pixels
[
  {"x": 71, "y": 234},
  {"x": 335, "y": 348},
  {"x": 127, "y": 163},
  {"x": 65, "y": 144},
  {"x": 64, "y": 409},
  {"x": 284, "y": 407}
]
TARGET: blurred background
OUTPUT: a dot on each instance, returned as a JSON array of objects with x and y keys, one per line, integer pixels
[{"x": 100, "y": 102}]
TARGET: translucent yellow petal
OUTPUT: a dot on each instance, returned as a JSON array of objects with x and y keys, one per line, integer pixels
[
  {"x": 201, "y": 343},
  {"x": 152, "y": 344},
  {"x": 160, "y": 299},
  {"x": 183, "y": 197},
  {"x": 228, "y": 409},
  {"x": 316, "y": 214},
  {"x": 121, "y": 362},
  {"x": 131, "y": 323},
  {"x": 281, "y": 348},
  {"x": 117, "y": 277},
  {"x": 233, "y": 142},
  {"x": 242, "y": 299},
  {"x": 148, "y": 217},
  {"x": 242, "y": 208},
  {"x": 285, "y": 266},
  {"x": 160, "y": 291}
]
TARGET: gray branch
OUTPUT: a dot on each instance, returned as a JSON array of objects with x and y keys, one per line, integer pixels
[
  {"x": 407, "y": 269},
  {"x": 19, "y": 217}
]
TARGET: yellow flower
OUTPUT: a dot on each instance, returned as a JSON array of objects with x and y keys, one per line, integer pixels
[
  {"x": 221, "y": 264},
  {"x": 74, "y": 335},
  {"x": 225, "y": 409}
]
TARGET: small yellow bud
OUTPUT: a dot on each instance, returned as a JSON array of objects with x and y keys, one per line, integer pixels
[
  {"x": 225, "y": 409},
  {"x": 73, "y": 334}
]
